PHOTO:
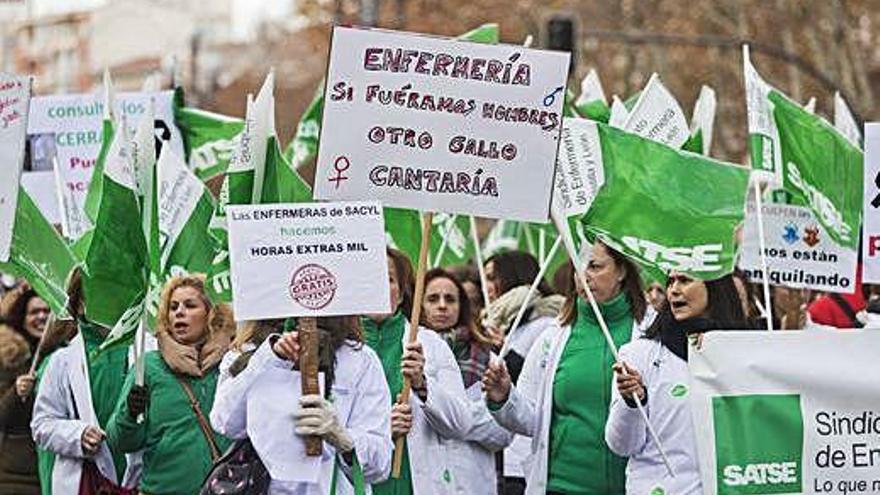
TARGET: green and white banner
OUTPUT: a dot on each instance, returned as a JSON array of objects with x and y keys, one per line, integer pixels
[
  {"x": 665, "y": 208},
  {"x": 703, "y": 122},
  {"x": 210, "y": 139},
  {"x": 15, "y": 92},
  {"x": 658, "y": 116},
  {"x": 787, "y": 412},
  {"x": 763, "y": 135}
]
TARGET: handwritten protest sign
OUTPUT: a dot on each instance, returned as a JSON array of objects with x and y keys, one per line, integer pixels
[
  {"x": 15, "y": 91},
  {"x": 441, "y": 125},
  {"x": 315, "y": 259},
  {"x": 68, "y": 127},
  {"x": 800, "y": 253}
]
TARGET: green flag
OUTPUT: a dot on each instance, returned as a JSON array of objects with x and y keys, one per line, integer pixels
[
  {"x": 667, "y": 209},
  {"x": 821, "y": 169},
  {"x": 38, "y": 254},
  {"x": 116, "y": 261},
  {"x": 209, "y": 138},
  {"x": 94, "y": 192},
  {"x": 702, "y": 122},
  {"x": 591, "y": 103},
  {"x": 304, "y": 146}
]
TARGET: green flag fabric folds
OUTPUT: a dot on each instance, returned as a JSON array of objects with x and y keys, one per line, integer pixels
[{"x": 667, "y": 209}]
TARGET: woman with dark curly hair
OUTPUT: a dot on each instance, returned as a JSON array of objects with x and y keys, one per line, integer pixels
[{"x": 19, "y": 337}]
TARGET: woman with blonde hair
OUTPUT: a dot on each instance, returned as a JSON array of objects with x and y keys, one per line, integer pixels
[{"x": 166, "y": 417}]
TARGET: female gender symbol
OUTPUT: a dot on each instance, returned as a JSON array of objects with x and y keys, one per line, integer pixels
[{"x": 337, "y": 165}]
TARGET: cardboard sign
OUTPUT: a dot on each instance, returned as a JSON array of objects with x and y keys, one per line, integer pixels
[
  {"x": 15, "y": 92},
  {"x": 435, "y": 124},
  {"x": 800, "y": 253},
  {"x": 786, "y": 412},
  {"x": 871, "y": 234},
  {"x": 68, "y": 128},
  {"x": 307, "y": 259}
]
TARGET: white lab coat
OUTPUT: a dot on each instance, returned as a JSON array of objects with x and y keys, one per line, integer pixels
[
  {"x": 669, "y": 413},
  {"x": 522, "y": 339},
  {"x": 529, "y": 408},
  {"x": 259, "y": 403},
  {"x": 63, "y": 396},
  {"x": 440, "y": 456}
]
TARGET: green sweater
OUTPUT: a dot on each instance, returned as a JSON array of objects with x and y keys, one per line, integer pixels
[
  {"x": 580, "y": 461},
  {"x": 177, "y": 456},
  {"x": 386, "y": 338}
]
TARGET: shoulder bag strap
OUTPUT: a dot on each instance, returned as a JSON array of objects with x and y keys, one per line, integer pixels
[
  {"x": 203, "y": 423},
  {"x": 847, "y": 309}
]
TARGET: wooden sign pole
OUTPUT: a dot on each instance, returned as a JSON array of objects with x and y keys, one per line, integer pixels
[
  {"x": 307, "y": 327},
  {"x": 427, "y": 220}
]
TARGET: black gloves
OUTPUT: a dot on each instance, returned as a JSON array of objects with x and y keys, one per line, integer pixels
[{"x": 138, "y": 400}]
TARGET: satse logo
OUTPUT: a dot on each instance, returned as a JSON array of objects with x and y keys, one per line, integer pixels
[
  {"x": 758, "y": 444},
  {"x": 698, "y": 258}
]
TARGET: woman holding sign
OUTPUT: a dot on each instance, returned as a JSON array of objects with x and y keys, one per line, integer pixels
[
  {"x": 654, "y": 369},
  {"x": 437, "y": 410},
  {"x": 447, "y": 311},
  {"x": 562, "y": 398},
  {"x": 259, "y": 397},
  {"x": 166, "y": 417}
]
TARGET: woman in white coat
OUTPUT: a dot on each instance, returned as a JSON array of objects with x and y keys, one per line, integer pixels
[
  {"x": 508, "y": 277},
  {"x": 446, "y": 310},
  {"x": 655, "y": 370},
  {"x": 258, "y": 397},
  {"x": 437, "y": 416},
  {"x": 562, "y": 398},
  {"x": 75, "y": 398}
]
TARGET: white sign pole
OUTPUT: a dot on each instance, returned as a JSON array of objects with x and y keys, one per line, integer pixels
[
  {"x": 478, "y": 255},
  {"x": 768, "y": 307}
]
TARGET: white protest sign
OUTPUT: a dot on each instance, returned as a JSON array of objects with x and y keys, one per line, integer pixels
[
  {"x": 441, "y": 125},
  {"x": 871, "y": 233},
  {"x": 15, "y": 91},
  {"x": 619, "y": 113},
  {"x": 800, "y": 253},
  {"x": 307, "y": 259},
  {"x": 658, "y": 116},
  {"x": 68, "y": 127},
  {"x": 579, "y": 172},
  {"x": 787, "y": 412}
]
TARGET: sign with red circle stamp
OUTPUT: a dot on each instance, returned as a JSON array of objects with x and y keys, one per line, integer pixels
[{"x": 312, "y": 286}]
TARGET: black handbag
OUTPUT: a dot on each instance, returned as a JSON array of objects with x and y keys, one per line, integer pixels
[{"x": 238, "y": 471}]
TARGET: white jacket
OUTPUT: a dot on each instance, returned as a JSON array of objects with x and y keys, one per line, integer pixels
[
  {"x": 440, "y": 463},
  {"x": 529, "y": 407},
  {"x": 260, "y": 401},
  {"x": 667, "y": 381},
  {"x": 474, "y": 458},
  {"x": 522, "y": 340},
  {"x": 64, "y": 394}
]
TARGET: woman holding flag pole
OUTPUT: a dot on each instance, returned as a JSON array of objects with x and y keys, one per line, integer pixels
[
  {"x": 654, "y": 369},
  {"x": 75, "y": 399},
  {"x": 437, "y": 416},
  {"x": 167, "y": 416},
  {"x": 562, "y": 398}
]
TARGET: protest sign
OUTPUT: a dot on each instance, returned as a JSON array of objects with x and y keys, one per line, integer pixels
[
  {"x": 579, "y": 172},
  {"x": 69, "y": 128},
  {"x": 302, "y": 259},
  {"x": 799, "y": 251},
  {"x": 871, "y": 234},
  {"x": 15, "y": 92},
  {"x": 805, "y": 424},
  {"x": 441, "y": 125},
  {"x": 658, "y": 116}
]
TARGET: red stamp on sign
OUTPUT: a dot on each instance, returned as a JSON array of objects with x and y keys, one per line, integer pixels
[{"x": 312, "y": 286}]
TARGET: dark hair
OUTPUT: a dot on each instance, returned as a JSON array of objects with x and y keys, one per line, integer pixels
[
  {"x": 405, "y": 279},
  {"x": 17, "y": 314},
  {"x": 749, "y": 291},
  {"x": 75, "y": 295},
  {"x": 515, "y": 268},
  {"x": 631, "y": 287},
  {"x": 465, "y": 314},
  {"x": 723, "y": 305}
]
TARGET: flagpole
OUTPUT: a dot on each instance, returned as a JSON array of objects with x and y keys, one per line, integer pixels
[
  {"x": 139, "y": 351},
  {"x": 307, "y": 329},
  {"x": 562, "y": 227},
  {"x": 768, "y": 308},
  {"x": 478, "y": 255},
  {"x": 542, "y": 245},
  {"x": 532, "y": 289},
  {"x": 444, "y": 243},
  {"x": 427, "y": 220}
]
